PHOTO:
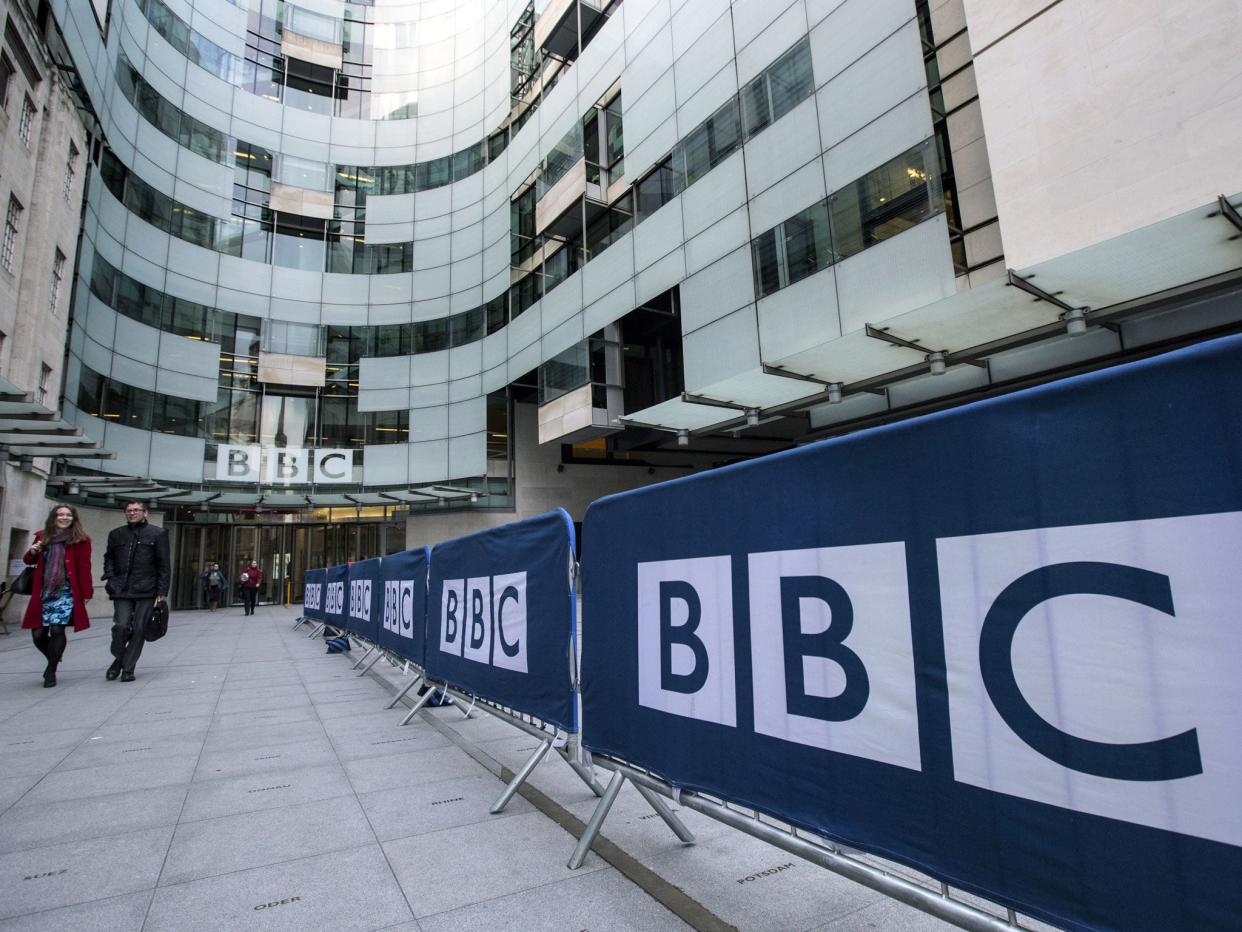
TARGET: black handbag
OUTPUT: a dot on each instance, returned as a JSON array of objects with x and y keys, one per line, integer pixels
[
  {"x": 24, "y": 583},
  {"x": 157, "y": 622}
]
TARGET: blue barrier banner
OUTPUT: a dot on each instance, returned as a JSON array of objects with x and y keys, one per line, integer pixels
[
  {"x": 363, "y": 596},
  {"x": 312, "y": 594},
  {"x": 402, "y": 604},
  {"x": 501, "y": 616},
  {"x": 1000, "y": 644},
  {"x": 336, "y": 584}
]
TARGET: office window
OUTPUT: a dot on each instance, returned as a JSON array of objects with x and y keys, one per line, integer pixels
[
  {"x": 887, "y": 200},
  {"x": 58, "y": 275},
  {"x": 661, "y": 185},
  {"x": 766, "y": 261},
  {"x": 11, "y": 219},
  {"x": 782, "y": 86},
  {"x": 71, "y": 168},
  {"x": 6, "y": 79},
  {"x": 27, "y": 121},
  {"x": 884, "y": 202},
  {"x": 807, "y": 245},
  {"x": 45, "y": 376}
]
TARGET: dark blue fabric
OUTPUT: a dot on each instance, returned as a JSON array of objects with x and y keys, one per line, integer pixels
[
  {"x": 1156, "y": 439},
  {"x": 364, "y": 598},
  {"x": 402, "y": 604},
  {"x": 313, "y": 591},
  {"x": 486, "y": 571},
  {"x": 336, "y": 595}
]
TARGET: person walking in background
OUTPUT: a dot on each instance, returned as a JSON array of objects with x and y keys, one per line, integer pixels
[
  {"x": 214, "y": 585},
  {"x": 61, "y": 555},
  {"x": 251, "y": 579},
  {"x": 136, "y": 571}
]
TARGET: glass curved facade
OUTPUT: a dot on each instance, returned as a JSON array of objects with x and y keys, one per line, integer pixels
[{"x": 367, "y": 226}]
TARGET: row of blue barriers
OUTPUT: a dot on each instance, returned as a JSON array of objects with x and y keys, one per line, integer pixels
[{"x": 999, "y": 644}]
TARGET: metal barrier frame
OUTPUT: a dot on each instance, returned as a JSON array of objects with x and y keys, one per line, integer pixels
[{"x": 810, "y": 847}]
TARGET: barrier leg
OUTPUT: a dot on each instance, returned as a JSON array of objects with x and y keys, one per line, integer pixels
[
  {"x": 422, "y": 701},
  {"x": 362, "y": 659},
  {"x": 584, "y": 773},
  {"x": 684, "y": 835},
  {"x": 367, "y": 668},
  {"x": 302, "y": 619},
  {"x": 520, "y": 778},
  {"x": 597, "y": 820},
  {"x": 317, "y": 630},
  {"x": 401, "y": 695}
]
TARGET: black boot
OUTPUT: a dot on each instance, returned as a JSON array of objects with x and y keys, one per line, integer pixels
[{"x": 49, "y": 676}]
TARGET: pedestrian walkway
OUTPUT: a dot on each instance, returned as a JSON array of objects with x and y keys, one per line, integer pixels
[{"x": 247, "y": 780}]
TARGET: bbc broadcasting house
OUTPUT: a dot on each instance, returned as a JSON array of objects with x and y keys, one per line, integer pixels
[{"x": 325, "y": 280}]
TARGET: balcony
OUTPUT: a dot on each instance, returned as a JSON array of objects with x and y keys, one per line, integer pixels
[{"x": 557, "y": 25}]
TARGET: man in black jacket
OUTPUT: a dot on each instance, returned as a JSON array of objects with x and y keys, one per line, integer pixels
[{"x": 136, "y": 575}]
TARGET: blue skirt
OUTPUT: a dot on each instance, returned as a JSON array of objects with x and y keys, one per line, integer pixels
[{"x": 58, "y": 607}]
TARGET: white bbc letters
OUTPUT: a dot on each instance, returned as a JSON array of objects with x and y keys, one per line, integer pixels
[
  {"x": 312, "y": 596},
  {"x": 334, "y": 598},
  {"x": 284, "y": 465},
  {"x": 484, "y": 619},
  {"x": 399, "y": 607},
  {"x": 289, "y": 467},
  {"x": 237, "y": 464},
  {"x": 478, "y": 642},
  {"x": 1096, "y": 668},
  {"x": 452, "y": 616},
  {"x": 360, "y": 599},
  {"x": 509, "y": 610},
  {"x": 685, "y": 638},
  {"x": 831, "y": 650}
]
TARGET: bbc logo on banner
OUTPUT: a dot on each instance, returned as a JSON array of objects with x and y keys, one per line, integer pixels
[
  {"x": 484, "y": 619},
  {"x": 334, "y": 601},
  {"x": 313, "y": 596},
  {"x": 1085, "y": 664},
  {"x": 399, "y": 607},
  {"x": 360, "y": 599}
]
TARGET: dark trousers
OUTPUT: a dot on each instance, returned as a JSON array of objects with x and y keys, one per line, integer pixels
[
  {"x": 129, "y": 618},
  {"x": 249, "y": 597},
  {"x": 50, "y": 641}
]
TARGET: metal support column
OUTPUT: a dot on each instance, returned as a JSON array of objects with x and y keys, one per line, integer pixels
[
  {"x": 597, "y": 820},
  {"x": 520, "y": 778},
  {"x": 401, "y": 695}
]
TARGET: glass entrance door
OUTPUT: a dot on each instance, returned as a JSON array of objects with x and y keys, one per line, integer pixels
[{"x": 283, "y": 552}]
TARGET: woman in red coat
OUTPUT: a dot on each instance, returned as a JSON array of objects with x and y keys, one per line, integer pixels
[{"x": 61, "y": 554}]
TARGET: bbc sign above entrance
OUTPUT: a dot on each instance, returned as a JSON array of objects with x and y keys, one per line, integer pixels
[{"x": 284, "y": 465}]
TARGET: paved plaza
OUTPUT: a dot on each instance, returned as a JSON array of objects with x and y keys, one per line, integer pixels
[{"x": 247, "y": 780}]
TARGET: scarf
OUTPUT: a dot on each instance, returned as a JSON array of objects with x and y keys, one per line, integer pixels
[{"x": 54, "y": 563}]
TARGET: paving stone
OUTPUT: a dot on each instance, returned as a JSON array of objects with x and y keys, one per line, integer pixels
[
  {"x": 92, "y": 754},
  {"x": 387, "y": 742},
  {"x": 504, "y": 856},
  {"x": 116, "y": 914},
  {"x": 254, "y": 839},
  {"x": 12, "y": 789},
  {"x": 231, "y": 763},
  {"x": 209, "y": 799},
  {"x": 602, "y": 901},
  {"x": 431, "y": 805},
  {"x": 341, "y": 891},
  {"x": 263, "y": 735},
  {"x": 752, "y": 885},
  {"x": 36, "y": 825},
  {"x": 116, "y": 778},
  {"x": 80, "y": 871},
  {"x": 393, "y": 771}
]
